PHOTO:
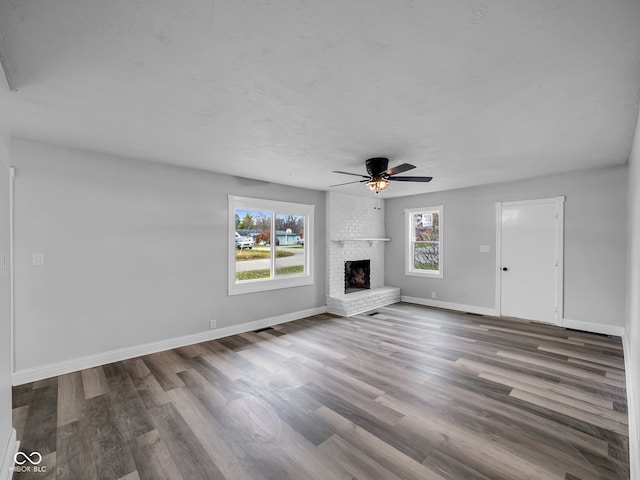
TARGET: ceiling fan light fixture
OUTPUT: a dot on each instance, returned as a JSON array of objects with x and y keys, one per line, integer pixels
[{"x": 377, "y": 184}]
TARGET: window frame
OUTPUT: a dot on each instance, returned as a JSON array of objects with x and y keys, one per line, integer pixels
[
  {"x": 409, "y": 268},
  {"x": 238, "y": 287}
]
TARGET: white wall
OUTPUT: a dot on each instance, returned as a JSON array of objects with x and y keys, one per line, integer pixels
[
  {"x": 7, "y": 447},
  {"x": 595, "y": 242},
  {"x": 632, "y": 327},
  {"x": 135, "y": 252}
]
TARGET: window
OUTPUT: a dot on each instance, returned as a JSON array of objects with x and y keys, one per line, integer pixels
[
  {"x": 424, "y": 241},
  {"x": 270, "y": 244}
]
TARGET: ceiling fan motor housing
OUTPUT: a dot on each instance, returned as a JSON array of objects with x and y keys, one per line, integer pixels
[{"x": 377, "y": 165}]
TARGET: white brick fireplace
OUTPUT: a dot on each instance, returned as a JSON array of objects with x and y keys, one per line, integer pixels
[{"x": 355, "y": 231}]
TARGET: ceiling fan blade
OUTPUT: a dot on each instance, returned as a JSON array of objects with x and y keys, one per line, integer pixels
[
  {"x": 412, "y": 179},
  {"x": 349, "y": 173},
  {"x": 349, "y": 183},
  {"x": 403, "y": 167}
]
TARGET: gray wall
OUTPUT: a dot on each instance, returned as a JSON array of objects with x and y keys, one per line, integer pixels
[
  {"x": 5, "y": 309},
  {"x": 632, "y": 327},
  {"x": 595, "y": 242},
  {"x": 135, "y": 252}
]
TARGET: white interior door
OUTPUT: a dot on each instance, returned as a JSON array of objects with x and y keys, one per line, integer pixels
[{"x": 530, "y": 259}]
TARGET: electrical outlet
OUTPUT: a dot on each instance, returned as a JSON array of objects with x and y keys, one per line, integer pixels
[
  {"x": 212, "y": 324},
  {"x": 433, "y": 294}
]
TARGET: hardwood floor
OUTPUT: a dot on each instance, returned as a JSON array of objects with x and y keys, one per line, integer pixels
[{"x": 407, "y": 393}]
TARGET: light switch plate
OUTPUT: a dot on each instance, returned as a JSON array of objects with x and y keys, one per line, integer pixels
[
  {"x": 37, "y": 259},
  {"x": 485, "y": 248}
]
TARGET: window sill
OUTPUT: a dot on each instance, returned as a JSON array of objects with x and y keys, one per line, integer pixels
[
  {"x": 253, "y": 286},
  {"x": 425, "y": 274}
]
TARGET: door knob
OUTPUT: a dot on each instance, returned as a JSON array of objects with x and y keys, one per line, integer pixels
[{"x": 504, "y": 269}]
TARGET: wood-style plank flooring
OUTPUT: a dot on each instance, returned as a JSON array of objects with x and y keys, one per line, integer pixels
[{"x": 407, "y": 393}]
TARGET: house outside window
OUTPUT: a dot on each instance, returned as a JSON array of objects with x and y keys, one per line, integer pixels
[
  {"x": 270, "y": 244},
  {"x": 423, "y": 246}
]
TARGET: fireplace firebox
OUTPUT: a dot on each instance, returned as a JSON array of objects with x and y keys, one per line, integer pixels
[{"x": 357, "y": 275}]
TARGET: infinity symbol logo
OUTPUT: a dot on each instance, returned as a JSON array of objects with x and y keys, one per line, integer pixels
[{"x": 34, "y": 459}]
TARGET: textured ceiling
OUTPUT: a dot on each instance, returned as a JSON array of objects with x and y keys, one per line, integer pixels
[{"x": 470, "y": 92}]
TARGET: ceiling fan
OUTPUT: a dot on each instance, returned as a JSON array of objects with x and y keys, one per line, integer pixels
[{"x": 380, "y": 175}]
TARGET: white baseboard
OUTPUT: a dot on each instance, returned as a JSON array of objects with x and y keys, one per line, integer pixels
[
  {"x": 33, "y": 374},
  {"x": 633, "y": 407},
  {"x": 592, "y": 327},
  {"x": 566, "y": 322},
  {"x": 8, "y": 456},
  {"x": 450, "y": 306}
]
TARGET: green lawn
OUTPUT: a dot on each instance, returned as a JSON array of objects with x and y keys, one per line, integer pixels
[
  {"x": 255, "y": 254},
  {"x": 257, "y": 274},
  {"x": 426, "y": 266}
]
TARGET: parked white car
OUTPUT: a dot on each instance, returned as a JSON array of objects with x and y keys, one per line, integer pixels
[{"x": 243, "y": 242}]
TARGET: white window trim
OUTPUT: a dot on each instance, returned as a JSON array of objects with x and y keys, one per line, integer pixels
[
  {"x": 251, "y": 286},
  {"x": 408, "y": 263}
]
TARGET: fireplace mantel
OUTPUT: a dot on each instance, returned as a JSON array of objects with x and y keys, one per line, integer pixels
[{"x": 370, "y": 240}]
